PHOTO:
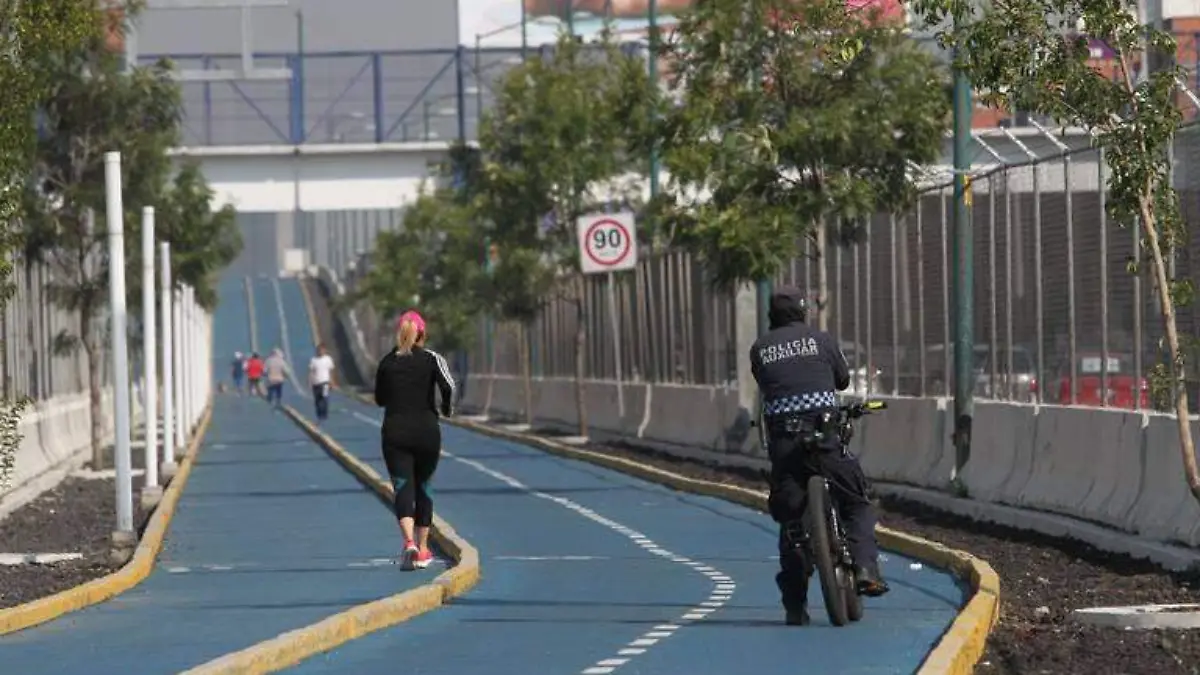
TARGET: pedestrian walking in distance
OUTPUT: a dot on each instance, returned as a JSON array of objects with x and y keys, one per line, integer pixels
[
  {"x": 254, "y": 373},
  {"x": 238, "y": 368},
  {"x": 411, "y": 436},
  {"x": 277, "y": 370},
  {"x": 320, "y": 378}
]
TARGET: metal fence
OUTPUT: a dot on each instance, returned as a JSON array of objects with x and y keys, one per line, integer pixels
[
  {"x": 29, "y": 364},
  {"x": 1058, "y": 317},
  {"x": 673, "y": 327}
]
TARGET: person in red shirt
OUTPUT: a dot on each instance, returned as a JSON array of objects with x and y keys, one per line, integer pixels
[{"x": 254, "y": 373}]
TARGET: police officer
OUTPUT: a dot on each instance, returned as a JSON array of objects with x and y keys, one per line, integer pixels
[{"x": 798, "y": 368}]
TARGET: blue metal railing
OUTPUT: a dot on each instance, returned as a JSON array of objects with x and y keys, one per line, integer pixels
[{"x": 341, "y": 97}]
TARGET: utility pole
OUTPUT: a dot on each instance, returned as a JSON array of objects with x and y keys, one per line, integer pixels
[
  {"x": 653, "y": 67},
  {"x": 524, "y": 33},
  {"x": 964, "y": 275}
]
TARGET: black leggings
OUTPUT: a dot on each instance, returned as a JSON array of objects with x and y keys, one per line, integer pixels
[{"x": 411, "y": 469}]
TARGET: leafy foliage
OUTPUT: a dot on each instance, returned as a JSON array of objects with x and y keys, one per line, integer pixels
[
  {"x": 1030, "y": 55},
  {"x": 203, "y": 241},
  {"x": 790, "y": 113},
  {"x": 432, "y": 263},
  {"x": 560, "y": 140},
  {"x": 30, "y": 32},
  {"x": 93, "y": 108}
]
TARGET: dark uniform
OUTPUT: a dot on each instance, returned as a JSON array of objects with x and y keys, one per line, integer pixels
[{"x": 799, "y": 369}]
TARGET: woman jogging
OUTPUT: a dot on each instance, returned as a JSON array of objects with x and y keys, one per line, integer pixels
[{"x": 411, "y": 437}]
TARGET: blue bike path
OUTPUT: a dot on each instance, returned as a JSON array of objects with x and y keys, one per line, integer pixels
[
  {"x": 590, "y": 571},
  {"x": 266, "y": 315},
  {"x": 270, "y": 535}
]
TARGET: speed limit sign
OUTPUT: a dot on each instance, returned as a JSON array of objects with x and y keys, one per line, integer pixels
[{"x": 607, "y": 242}]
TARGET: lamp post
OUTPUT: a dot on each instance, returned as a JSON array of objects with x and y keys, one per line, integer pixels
[{"x": 964, "y": 275}]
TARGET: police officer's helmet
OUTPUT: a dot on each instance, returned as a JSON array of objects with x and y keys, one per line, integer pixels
[{"x": 788, "y": 305}]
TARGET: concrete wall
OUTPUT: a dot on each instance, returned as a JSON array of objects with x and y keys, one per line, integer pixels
[
  {"x": 1115, "y": 468},
  {"x": 56, "y": 439}
]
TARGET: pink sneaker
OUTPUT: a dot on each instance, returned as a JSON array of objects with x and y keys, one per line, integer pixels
[
  {"x": 409, "y": 555},
  {"x": 423, "y": 559}
]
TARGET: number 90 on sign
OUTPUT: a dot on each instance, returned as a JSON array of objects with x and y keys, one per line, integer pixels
[{"x": 607, "y": 242}]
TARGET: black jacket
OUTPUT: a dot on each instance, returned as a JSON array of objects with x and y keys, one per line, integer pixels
[
  {"x": 405, "y": 384},
  {"x": 797, "y": 367}
]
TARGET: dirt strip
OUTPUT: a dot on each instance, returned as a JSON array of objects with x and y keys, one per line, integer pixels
[{"x": 77, "y": 516}]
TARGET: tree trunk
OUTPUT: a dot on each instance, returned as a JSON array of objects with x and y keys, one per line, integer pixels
[
  {"x": 526, "y": 372},
  {"x": 94, "y": 407},
  {"x": 822, "y": 276},
  {"x": 492, "y": 357},
  {"x": 580, "y": 356},
  {"x": 1187, "y": 446}
]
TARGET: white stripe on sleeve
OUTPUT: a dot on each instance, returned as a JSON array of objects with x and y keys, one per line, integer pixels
[{"x": 445, "y": 368}]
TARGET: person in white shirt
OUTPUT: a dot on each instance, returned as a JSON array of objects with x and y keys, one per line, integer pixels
[{"x": 320, "y": 376}]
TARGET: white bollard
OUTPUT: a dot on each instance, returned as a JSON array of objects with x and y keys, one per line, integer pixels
[
  {"x": 124, "y": 537},
  {"x": 151, "y": 492},
  {"x": 168, "y": 355},
  {"x": 210, "y": 368},
  {"x": 189, "y": 305},
  {"x": 192, "y": 360},
  {"x": 185, "y": 366},
  {"x": 177, "y": 321}
]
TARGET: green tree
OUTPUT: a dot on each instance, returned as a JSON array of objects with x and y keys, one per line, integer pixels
[
  {"x": 30, "y": 33},
  {"x": 514, "y": 289},
  {"x": 431, "y": 263},
  {"x": 795, "y": 116},
  {"x": 94, "y": 107},
  {"x": 203, "y": 241},
  {"x": 561, "y": 138},
  {"x": 1023, "y": 55}
]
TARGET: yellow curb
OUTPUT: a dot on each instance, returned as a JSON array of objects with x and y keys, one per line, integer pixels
[
  {"x": 132, "y": 573},
  {"x": 959, "y": 649},
  {"x": 292, "y": 647}
]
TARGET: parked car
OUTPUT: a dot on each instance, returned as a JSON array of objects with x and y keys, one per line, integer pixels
[
  {"x": 1018, "y": 384},
  {"x": 936, "y": 376},
  {"x": 1123, "y": 386},
  {"x": 856, "y": 356}
]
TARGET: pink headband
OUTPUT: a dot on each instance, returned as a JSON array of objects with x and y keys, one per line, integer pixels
[{"x": 413, "y": 316}]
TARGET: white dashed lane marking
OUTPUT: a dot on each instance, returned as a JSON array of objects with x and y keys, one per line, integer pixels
[{"x": 723, "y": 585}]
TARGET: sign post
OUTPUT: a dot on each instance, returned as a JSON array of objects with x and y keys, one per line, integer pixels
[{"x": 608, "y": 244}]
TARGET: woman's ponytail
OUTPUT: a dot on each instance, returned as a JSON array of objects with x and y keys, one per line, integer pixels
[{"x": 406, "y": 336}]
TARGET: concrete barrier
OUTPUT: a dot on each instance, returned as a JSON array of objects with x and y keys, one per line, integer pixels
[
  {"x": 906, "y": 444},
  {"x": 1165, "y": 509},
  {"x": 56, "y": 439},
  {"x": 652, "y": 412},
  {"x": 1000, "y": 436}
]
